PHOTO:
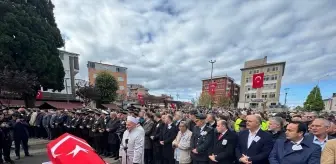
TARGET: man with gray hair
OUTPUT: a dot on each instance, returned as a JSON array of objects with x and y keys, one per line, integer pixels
[
  {"x": 319, "y": 132},
  {"x": 276, "y": 128}
]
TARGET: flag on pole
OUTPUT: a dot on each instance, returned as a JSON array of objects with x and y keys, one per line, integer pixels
[
  {"x": 212, "y": 88},
  {"x": 39, "y": 94},
  {"x": 258, "y": 80}
]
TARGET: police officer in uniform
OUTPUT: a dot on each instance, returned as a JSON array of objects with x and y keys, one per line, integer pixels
[
  {"x": 89, "y": 126},
  {"x": 6, "y": 124},
  {"x": 104, "y": 137},
  {"x": 77, "y": 122},
  {"x": 84, "y": 133},
  {"x": 97, "y": 127},
  {"x": 201, "y": 140}
]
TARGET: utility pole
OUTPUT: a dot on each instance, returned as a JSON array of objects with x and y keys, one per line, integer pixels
[
  {"x": 286, "y": 89},
  {"x": 177, "y": 96},
  {"x": 212, "y": 63}
]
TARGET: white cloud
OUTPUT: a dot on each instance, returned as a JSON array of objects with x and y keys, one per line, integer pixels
[{"x": 166, "y": 45}]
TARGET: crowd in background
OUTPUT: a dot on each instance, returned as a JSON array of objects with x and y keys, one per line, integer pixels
[{"x": 183, "y": 136}]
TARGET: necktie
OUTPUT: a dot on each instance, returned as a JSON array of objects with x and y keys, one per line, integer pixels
[{"x": 220, "y": 136}]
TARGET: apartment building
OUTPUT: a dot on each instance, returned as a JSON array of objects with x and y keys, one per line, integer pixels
[
  {"x": 267, "y": 95},
  {"x": 225, "y": 86},
  {"x": 120, "y": 74}
]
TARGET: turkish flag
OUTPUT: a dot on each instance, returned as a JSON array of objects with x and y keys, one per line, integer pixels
[
  {"x": 212, "y": 88},
  {"x": 39, "y": 94},
  {"x": 140, "y": 98},
  {"x": 229, "y": 93},
  {"x": 258, "y": 80},
  {"x": 69, "y": 149}
]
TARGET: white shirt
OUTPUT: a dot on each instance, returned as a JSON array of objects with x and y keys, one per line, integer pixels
[
  {"x": 298, "y": 143},
  {"x": 203, "y": 127},
  {"x": 251, "y": 137}
]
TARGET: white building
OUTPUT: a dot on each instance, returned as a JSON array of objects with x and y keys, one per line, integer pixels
[
  {"x": 330, "y": 104},
  {"x": 71, "y": 68},
  {"x": 267, "y": 96}
]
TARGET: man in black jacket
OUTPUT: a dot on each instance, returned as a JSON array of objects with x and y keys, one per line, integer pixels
[
  {"x": 6, "y": 125},
  {"x": 20, "y": 131},
  {"x": 223, "y": 149},
  {"x": 201, "y": 141},
  {"x": 167, "y": 137},
  {"x": 155, "y": 136}
]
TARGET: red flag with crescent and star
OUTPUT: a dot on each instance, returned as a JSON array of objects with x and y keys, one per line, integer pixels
[
  {"x": 212, "y": 88},
  {"x": 258, "y": 80},
  {"x": 69, "y": 149},
  {"x": 39, "y": 94}
]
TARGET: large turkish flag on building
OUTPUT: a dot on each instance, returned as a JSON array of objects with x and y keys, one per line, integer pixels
[
  {"x": 258, "y": 80},
  {"x": 212, "y": 88}
]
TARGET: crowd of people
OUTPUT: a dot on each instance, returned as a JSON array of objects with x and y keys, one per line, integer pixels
[{"x": 162, "y": 136}]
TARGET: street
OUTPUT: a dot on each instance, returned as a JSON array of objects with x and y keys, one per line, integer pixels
[{"x": 38, "y": 149}]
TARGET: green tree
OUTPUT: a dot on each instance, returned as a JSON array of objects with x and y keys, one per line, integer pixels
[
  {"x": 299, "y": 108},
  {"x": 223, "y": 101},
  {"x": 204, "y": 99},
  {"x": 87, "y": 93},
  {"x": 107, "y": 87},
  {"x": 29, "y": 42},
  {"x": 314, "y": 100}
]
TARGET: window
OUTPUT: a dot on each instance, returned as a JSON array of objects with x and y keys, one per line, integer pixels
[
  {"x": 273, "y": 69},
  {"x": 120, "y": 78},
  {"x": 250, "y": 72},
  {"x": 121, "y": 87},
  {"x": 268, "y": 69},
  {"x": 61, "y": 55},
  {"x": 272, "y": 95},
  {"x": 275, "y": 77},
  {"x": 253, "y": 95},
  {"x": 276, "y": 68},
  {"x": 247, "y": 80},
  {"x": 274, "y": 86},
  {"x": 247, "y": 96},
  {"x": 67, "y": 72},
  {"x": 266, "y": 78},
  {"x": 76, "y": 64},
  {"x": 264, "y": 95}
]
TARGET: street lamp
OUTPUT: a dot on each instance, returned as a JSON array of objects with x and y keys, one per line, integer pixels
[
  {"x": 318, "y": 82},
  {"x": 212, "y": 63}
]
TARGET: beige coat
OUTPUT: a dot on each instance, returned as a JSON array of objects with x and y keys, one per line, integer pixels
[
  {"x": 329, "y": 153},
  {"x": 183, "y": 146}
]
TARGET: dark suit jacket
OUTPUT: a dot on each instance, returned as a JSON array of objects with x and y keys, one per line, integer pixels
[
  {"x": 113, "y": 125},
  {"x": 156, "y": 133},
  {"x": 283, "y": 153},
  {"x": 168, "y": 135},
  {"x": 224, "y": 152},
  {"x": 202, "y": 143},
  {"x": 258, "y": 151}
]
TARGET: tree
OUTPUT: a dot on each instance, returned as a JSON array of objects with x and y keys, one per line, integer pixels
[
  {"x": 314, "y": 100},
  {"x": 298, "y": 108},
  {"x": 223, "y": 101},
  {"x": 29, "y": 42},
  {"x": 87, "y": 93},
  {"x": 204, "y": 100},
  {"x": 13, "y": 84},
  {"x": 107, "y": 87}
]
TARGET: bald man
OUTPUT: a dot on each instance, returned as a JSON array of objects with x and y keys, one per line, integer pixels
[{"x": 254, "y": 145}]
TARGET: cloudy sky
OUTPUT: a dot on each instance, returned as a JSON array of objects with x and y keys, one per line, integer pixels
[{"x": 166, "y": 44}]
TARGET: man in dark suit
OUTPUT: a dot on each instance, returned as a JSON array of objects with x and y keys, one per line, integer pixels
[
  {"x": 155, "y": 136},
  {"x": 167, "y": 137},
  {"x": 254, "y": 145},
  {"x": 148, "y": 126},
  {"x": 223, "y": 149},
  {"x": 211, "y": 120},
  {"x": 201, "y": 141},
  {"x": 111, "y": 128},
  {"x": 296, "y": 149},
  {"x": 21, "y": 135},
  {"x": 191, "y": 120}
]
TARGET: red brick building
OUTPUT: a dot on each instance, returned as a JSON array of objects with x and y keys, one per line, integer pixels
[{"x": 225, "y": 86}]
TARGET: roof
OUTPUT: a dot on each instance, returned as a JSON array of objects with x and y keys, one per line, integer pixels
[
  {"x": 265, "y": 65},
  {"x": 112, "y": 65},
  {"x": 70, "y": 53},
  {"x": 219, "y": 77},
  {"x": 111, "y": 106},
  {"x": 61, "y": 104}
]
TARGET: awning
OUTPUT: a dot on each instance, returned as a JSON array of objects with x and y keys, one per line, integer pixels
[
  {"x": 12, "y": 103},
  {"x": 111, "y": 106},
  {"x": 60, "y": 105}
]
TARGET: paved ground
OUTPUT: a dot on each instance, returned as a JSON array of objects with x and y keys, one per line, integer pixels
[{"x": 38, "y": 149}]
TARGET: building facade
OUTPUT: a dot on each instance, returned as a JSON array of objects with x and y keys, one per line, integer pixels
[
  {"x": 134, "y": 89},
  {"x": 266, "y": 96},
  {"x": 330, "y": 104},
  {"x": 225, "y": 86},
  {"x": 120, "y": 74},
  {"x": 71, "y": 68}
]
